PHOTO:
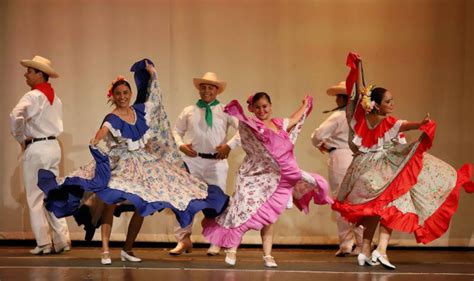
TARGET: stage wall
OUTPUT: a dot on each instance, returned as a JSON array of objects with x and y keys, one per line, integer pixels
[{"x": 422, "y": 50}]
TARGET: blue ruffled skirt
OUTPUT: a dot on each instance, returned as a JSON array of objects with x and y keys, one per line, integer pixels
[{"x": 65, "y": 199}]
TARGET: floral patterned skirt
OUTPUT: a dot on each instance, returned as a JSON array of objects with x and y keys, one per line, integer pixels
[
  {"x": 137, "y": 180},
  {"x": 409, "y": 189}
]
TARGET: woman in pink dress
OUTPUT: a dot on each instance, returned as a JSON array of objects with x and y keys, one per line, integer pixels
[
  {"x": 391, "y": 182},
  {"x": 266, "y": 179}
]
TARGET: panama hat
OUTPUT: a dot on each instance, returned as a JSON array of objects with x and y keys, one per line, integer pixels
[
  {"x": 210, "y": 78},
  {"x": 339, "y": 89},
  {"x": 42, "y": 64}
]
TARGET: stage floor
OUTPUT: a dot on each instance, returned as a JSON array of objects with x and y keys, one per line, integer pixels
[{"x": 83, "y": 263}]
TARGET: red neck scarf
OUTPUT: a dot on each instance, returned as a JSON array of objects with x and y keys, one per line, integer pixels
[{"x": 47, "y": 90}]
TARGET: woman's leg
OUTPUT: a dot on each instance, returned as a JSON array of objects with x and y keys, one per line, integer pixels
[
  {"x": 267, "y": 243},
  {"x": 380, "y": 254},
  {"x": 133, "y": 229},
  {"x": 384, "y": 237},
  {"x": 369, "y": 224},
  {"x": 267, "y": 239},
  {"x": 231, "y": 256},
  {"x": 106, "y": 227}
]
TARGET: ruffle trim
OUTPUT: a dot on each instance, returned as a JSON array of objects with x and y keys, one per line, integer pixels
[
  {"x": 64, "y": 200},
  {"x": 438, "y": 222},
  {"x": 127, "y": 130},
  {"x": 405, "y": 180},
  {"x": 433, "y": 227},
  {"x": 320, "y": 196},
  {"x": 233, "y": 108},
  {"x": 368, "y": 139},
  {"x": 137, "y": 134},
  {"x": 267, "y": 214}
]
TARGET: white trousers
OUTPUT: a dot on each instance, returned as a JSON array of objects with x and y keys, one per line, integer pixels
[
  {"x": 338, "y": 162},
  {"x": 212, "y": 171},
  {"x": 46, "y": 227}
]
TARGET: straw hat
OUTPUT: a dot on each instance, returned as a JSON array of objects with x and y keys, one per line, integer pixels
[
  {"x": 42, "y": 64},
  {"x": 339, "y": 89},
  {"x": 210, "y": 78}
]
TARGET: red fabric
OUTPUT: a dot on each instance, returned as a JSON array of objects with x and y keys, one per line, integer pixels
[
  {"x": 469, "y": 187},
  {"x": 371, "y": 136},
  {"x": 47, "y": 90},
  {"x": 436, "y": 225},
  {"x": 351, "y": 62}
]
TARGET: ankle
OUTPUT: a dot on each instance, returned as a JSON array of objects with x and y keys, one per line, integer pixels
[
  {"x": 105, "y": 255},
  {"x": 381, "y": 252}
]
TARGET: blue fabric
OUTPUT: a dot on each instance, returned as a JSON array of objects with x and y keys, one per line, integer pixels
[
  {"x": 141, "y": 77},
  {"x": 130, "y": 131},
  {"x": 64, "y": 200}
]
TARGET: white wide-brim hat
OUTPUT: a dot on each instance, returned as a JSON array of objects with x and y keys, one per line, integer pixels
[
  {"x": 41, "y": 63},
  {"x": 210, "y": 78},
  {"x": 339, "y": 89}
]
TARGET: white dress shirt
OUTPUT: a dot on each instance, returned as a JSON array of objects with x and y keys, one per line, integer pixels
[
  {"x": 191, "y": 124},
  {"x": 35, "y": 117},
  {"x": 333, "y": 132}
]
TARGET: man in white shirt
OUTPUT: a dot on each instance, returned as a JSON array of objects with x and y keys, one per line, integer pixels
[
  {"x": 36, "y": 122},
  {"x": 205, "y": 126},
  {"x": 332, "y": 137}
]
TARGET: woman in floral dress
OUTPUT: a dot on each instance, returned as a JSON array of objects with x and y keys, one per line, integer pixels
[
  {"x": 391, "y": 182},
  {"x": 266, "y": 178},
  {"x": 142, "y": 169}
]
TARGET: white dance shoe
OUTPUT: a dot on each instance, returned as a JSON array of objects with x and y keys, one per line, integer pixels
[
  {"x": 105, "y": 258},
  {"x": 269, "y": 261},
  {"x": 377, "y": 257},
  {"x": 66, "y": 248},
  {"x": 128, "y": 256},
  {"x": 364, "y": 260},
  {"x": 230, "y": 257},
  {"x": 42, "y": 250}
]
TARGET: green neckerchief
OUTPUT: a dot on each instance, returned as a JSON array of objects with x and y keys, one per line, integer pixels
[{"x": 203, "y": 104}]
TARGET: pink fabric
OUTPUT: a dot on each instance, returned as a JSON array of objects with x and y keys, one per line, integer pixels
[
  {"x": 281, "y": 149},
  {"x": 304, "y": 192},
  {"x": 267, "y": 214}
]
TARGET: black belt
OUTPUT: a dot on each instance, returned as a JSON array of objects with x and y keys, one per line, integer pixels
[
  {"x": 331, "y": 149},
  {"x": 208, "y": 155},
  {"x": 30, "y": 141}
]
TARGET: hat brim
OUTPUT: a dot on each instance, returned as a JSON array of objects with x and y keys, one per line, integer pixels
[
  {"x": 219, "y": 84},
  {"x": 336, "y": 90},
  {"x": 42, "y": 67}
]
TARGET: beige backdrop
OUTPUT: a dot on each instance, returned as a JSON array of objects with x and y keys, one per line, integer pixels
[{"x": 422, "y": 50}]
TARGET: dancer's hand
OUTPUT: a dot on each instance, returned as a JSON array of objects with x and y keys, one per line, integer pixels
[
  {"x": 223, "y": 151},
  {"x": 305, "y": 101},
  {"x": 93, "y": 141},
  {"x": 188, "y": 150},
  {"x": 426, "y": 119},
  {"x": 150, "y": 68}
]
